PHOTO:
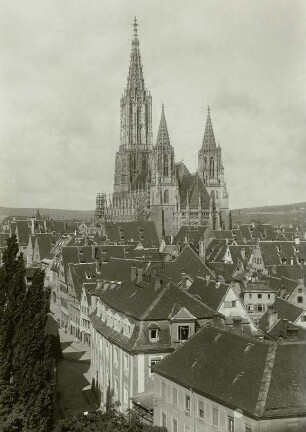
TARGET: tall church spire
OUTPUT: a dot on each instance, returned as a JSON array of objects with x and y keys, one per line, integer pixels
[
  {"x": 133, "y": 157},
  {"x": 135, "y": 80},
  {"x": 209, "y": 138},
  {"x": 163, "y": 136}
]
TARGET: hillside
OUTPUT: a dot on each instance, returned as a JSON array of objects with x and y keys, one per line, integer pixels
[
  {"x": 52, "y": 213},
  {"x": 294, "y": 214},
  {"x": 277, "y": 214}
]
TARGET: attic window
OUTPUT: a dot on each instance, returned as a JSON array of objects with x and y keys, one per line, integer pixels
[
  {"x": 183, "y": 332},
  {"x": 217, "y": 337},
  {"x": 153, "y": 335},
  {"x": 248, "y": 347},
  {"x": 279, "y": 248}
]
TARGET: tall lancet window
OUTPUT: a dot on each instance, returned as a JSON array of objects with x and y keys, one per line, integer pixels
[
  {"x": 212, "y": 167},
  {"x": 138, "y": 123},
  {"x": 166, "y": 166},
  {"x": 166, "y": 197}
]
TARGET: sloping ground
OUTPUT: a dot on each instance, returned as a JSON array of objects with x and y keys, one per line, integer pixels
[
  {"x": 52, "y": 213},
  {"x": 294, "y": 214}
]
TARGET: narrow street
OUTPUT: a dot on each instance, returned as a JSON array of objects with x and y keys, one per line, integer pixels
[{"x": 73, "y": 390}]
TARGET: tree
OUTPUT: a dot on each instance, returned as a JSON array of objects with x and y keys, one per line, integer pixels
[
  {"x": 12, "y": 295},
  {"x": 112, "y": 420},
  {"x": 27, "y": 367}
]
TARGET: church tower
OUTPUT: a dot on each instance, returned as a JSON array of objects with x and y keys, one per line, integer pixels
[
  {"x": 133, "y": 157},
  {"x": 211, "y": 172},
  {"x": 163, "y": 179}
]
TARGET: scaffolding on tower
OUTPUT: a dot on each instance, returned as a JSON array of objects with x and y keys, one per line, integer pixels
[{"x": 101, "y": 205}]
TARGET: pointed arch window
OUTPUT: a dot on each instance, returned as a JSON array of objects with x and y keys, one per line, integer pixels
[
  {"x": 205, "y": 164},
  {"x": 166, "y": 166},
  {"x": 212, "y": 167},
  {"x": 166, "y": 197}
]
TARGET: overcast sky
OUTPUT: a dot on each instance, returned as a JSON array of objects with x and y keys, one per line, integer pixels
[{"x": 64, "y": 66}]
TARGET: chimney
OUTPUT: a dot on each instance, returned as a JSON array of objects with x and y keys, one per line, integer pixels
[
  {"x": 98, "y": 265},
  {"x": 297, "y": 239},
  {"x": 291, "y": 261},
  {"x": 133, "y": 272},
  {"x": 237, "y": 323},
  {"x": 184, "y": 280},
  {"x": 202, "y": 250},
  {"x": 274, "y": 269},
  {"x": 272, "y": 317},
  {"x": 285, "y": 326},
  {"x": 218, "y": 320},
  {"x": 139, "y": 274},
  {"x": 33, "y": 219},
  {"x": 243, "y": 253},
  {"x": 207, "y": 279}
]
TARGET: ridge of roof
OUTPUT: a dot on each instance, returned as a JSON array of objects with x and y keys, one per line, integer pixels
[
  {"x": 154, "y": 302},
  {"x": 266, "y": 381}
]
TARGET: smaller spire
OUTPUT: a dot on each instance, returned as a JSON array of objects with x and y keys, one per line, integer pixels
[
  {"x": 209, "y": 137},
  {"x": 163, "y": 136}
]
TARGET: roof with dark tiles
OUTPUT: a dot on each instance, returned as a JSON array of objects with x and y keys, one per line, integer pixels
[
  {"x": 211, "y": 293},
  {"x": 241, "y": 372},
  {"x": 23, "y": 231},
  {"x": 285, "y": 309}
]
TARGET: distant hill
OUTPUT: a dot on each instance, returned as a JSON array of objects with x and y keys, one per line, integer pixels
[
  {"x": 52, "y": 213},
  {"x": 294, "y": 214}
]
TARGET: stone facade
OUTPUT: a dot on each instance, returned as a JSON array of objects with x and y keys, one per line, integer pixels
[{"x": 148, "y": 184}]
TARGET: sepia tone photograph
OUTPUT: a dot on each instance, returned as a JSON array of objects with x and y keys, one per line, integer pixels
[{"x": 152, "y": 216}]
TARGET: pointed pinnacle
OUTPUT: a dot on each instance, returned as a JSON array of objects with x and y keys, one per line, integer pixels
[{"x": 135, "y": 25}]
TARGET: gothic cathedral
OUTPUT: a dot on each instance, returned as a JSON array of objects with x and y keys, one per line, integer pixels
[{"x": 148, "y": 184}]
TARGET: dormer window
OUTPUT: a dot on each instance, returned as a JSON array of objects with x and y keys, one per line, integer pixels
[
  {"x": 183, "y": 332},
  {"x": 153, "y": 335}
]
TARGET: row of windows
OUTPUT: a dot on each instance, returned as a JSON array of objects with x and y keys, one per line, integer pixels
[
  {"x": 258, "y": 260},
  {"x": 259, "y": 295},
  {"x": 214, "y": 421},
  {"x": 260, "y": 307},
  {"x": 230, "y": 304}
]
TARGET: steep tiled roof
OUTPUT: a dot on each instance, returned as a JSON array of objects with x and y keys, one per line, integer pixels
[
  {"x": 44, "y": 243},
  {"x": 190, "y": 233},
  {"x": 279, "y": 331},
  {"x": 240, "y": 371},
  {"x": 73, "y": 254},
  {"x": 237, "y": 253},
  {"x": 223, "y": 234},
  {"x": 137, "y": 231},
  {"x": 218, "y": 366},
  {"x": 211, "y": 293},
  {"x": 279, "y": 252},
  {"x": 192, "y": 189},
  {"x": 116, "y": 270},
  {"x": 294, "y": 272},
  {"x": 143, "y": 301},
  {"x": 189, "y": 262},
  {"x": 285, "y": 309},
  {"x": 23, "y": 231},
  {"x": 131, "y": 298},
  {"x": 287, "y": 393},
  {"x": 173, "y": 297},
  {"x": 224, "y": 270}
]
